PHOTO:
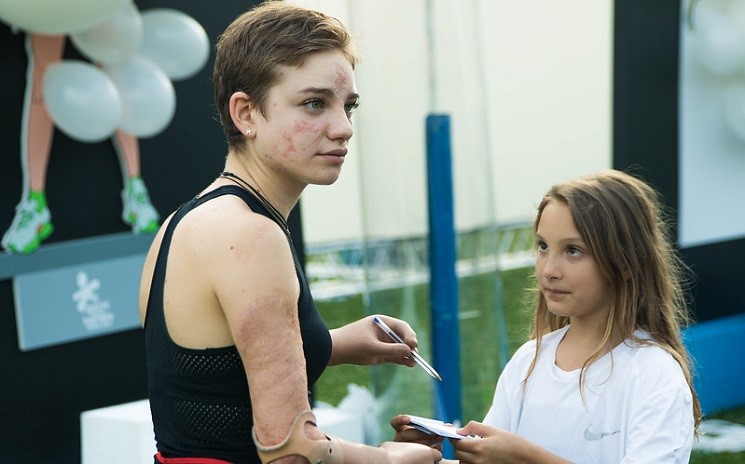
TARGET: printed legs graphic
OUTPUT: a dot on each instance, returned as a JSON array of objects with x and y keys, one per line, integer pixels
[
  {"x": 137, "y": 210},
  {"x": 32, "y": 222}
]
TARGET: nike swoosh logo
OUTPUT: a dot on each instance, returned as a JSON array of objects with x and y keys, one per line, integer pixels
[{"x": 590, "y": 435}]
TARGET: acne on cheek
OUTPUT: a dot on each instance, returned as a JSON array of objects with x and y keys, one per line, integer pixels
[
  {"x": 289, "y": 148},
  {"x": 298, "y": 127},
  {"x": 304, "y": 126}
]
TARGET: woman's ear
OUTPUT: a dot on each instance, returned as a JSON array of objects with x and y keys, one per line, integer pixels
[{"x": 240, "y": 112}]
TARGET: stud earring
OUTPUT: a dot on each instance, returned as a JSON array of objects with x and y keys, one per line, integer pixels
[{"x": 249, "y": 131}]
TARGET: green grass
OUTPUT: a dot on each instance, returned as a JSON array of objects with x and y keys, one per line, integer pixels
[
  {"x": 736, "y": 415},
  {"x": 332, "y": 386}
]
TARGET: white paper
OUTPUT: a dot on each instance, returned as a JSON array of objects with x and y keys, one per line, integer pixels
[{"x": 436, "y": 427}]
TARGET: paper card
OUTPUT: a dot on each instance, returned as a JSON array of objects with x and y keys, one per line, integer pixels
[{"x": 435, "y": 427}]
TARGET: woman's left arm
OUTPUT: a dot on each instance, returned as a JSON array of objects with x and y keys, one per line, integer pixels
[{"x": 363, "y": 343}]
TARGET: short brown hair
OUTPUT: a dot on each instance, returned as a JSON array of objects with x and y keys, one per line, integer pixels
[{"x": 253, "y": 47}]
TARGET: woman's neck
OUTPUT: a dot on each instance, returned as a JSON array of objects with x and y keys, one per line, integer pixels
[{"x": 269, "y": 186}]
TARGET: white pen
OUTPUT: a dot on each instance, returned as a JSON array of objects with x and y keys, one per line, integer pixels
[{"x": 419, "y": 360}]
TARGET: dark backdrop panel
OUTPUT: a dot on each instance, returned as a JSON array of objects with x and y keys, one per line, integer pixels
[
  {"x": 718, "y": 290},
  {"x": 645, "y": 135},
  {"x": 44, "y": 391},
  {"x": 645, "y": 92}
]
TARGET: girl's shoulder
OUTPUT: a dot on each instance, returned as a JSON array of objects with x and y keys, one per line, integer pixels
[
  {"x": 643, "y": 348},
  {"x": 648, "y": 360}
]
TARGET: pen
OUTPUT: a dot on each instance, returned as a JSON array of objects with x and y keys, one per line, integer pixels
[{"x": 419, "y": 360}]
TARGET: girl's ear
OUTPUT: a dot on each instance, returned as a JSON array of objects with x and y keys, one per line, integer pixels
[{"x": 241, "y": 111}]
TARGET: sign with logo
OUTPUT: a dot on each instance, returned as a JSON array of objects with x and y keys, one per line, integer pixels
[{"x": 71, "y": 303}]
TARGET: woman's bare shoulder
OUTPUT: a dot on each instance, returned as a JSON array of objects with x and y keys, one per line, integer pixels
[{"x": 225, "y": 225}]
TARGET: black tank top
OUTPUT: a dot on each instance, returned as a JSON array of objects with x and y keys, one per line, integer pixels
[{"x": 199, "y": 399}]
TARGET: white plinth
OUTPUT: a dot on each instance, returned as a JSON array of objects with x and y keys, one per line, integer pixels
[
  {"x": 121, "y": 434},
  {"x": 340, "y": 424}
]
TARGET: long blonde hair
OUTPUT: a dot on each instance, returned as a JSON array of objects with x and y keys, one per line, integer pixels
[{"x": 621, "y": 220}]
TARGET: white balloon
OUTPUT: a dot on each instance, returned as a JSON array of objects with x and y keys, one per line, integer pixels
[
  {"x": 734, "y": 109},
  {"x": 112, "y": 40},
  {"x": 720, "y": 6},
  {"x": 148, "y": 98},
  {"x": 736, "y": 14},
  {"x": 81, "y": 100},
  {"x": 717, "y": 43},
  {"x": 174, "y": 41},
  {"x": 57, "y": 16}
]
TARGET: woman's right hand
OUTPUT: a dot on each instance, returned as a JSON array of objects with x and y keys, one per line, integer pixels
[
  {"x": 407, "y": 433},
  {"x": 410, "y": 453}
]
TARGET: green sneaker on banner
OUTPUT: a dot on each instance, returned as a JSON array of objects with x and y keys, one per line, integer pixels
[
  {"x": 137, "y": 210},
  {"x": 31, "y": 225}
]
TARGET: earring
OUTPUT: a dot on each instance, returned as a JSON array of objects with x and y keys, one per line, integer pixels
[{"x": 249, "y": 131}]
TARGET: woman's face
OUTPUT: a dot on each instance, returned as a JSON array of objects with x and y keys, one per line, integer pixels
[
  {"x": 307, "y": 125},
  {"x": 569, "y": 278}
]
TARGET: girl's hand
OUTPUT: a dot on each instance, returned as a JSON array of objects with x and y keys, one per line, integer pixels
[
  {"x": 407, "y": 433},
  {"x": 363, "y": 343},
  {"x": 497, "y": 446},
  {"x": 490, "y": 448}
]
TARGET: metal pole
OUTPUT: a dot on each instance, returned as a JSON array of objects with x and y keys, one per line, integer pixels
[{"x": 443, "y": 288}]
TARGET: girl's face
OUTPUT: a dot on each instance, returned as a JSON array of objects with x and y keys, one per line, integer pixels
[
  {"x": 303, "y": 138},
  {"x": 568, "y": 275}
]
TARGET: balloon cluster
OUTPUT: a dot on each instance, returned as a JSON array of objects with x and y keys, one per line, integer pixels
[
  {"x": 718, "y": 45},
  {"x": 134, "y": 59}
]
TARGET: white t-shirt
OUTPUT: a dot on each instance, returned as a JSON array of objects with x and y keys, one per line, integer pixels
[{"x": 637, "y": 405}]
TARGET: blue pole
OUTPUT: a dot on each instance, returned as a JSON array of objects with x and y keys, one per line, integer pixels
[{"x": 443, "y": 287}]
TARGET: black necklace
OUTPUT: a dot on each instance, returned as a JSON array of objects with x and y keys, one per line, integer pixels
[{"x": 276, "y": 215}]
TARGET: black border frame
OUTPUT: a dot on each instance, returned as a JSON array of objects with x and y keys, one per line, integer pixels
[{"x": 645, "y": 139}]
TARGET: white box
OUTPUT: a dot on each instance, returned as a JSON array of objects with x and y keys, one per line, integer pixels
[
  {"x": 120, "y": 434},
  {"x": 340, "y": 424}
]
